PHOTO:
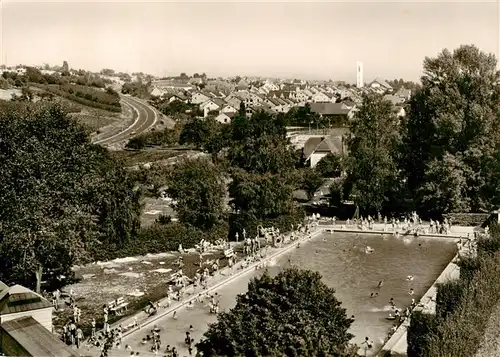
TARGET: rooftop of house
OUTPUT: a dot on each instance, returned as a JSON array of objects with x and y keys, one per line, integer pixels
[
  {"x": 394, "y": 99},
  {"x": 229, "y": 114},
  {"x": 382, "y": 82},
  {"x": 17, "y": 299},
  {"x": 328, "y": 144},
  {"x": 329, "y": 108},
  {"x": 36, "y": 339}
]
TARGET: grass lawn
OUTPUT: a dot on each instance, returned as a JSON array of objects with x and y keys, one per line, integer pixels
[{"x": 100, "y": 283}]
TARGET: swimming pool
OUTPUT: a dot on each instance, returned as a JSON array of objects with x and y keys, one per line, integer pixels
[
  {"x": 342, "y": 261},
  {"x": 345, "y": 266}
]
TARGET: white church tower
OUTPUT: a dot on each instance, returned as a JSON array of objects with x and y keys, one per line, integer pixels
[{"x": 359, "y": 74}]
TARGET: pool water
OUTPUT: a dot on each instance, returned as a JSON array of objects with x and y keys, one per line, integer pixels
[{"x": 345, "y": 266}]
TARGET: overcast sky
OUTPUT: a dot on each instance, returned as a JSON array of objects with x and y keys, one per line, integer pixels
[{"x": 320, "y": 40}]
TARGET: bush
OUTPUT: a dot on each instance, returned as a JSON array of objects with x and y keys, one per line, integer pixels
[
  {"x": 448, "y": 297},
  {"x": 137, "y": 143},
  {"x": 422, "y": 328},
  {"x": 464, "y": 307},
  {"x": 160, "y": 238},
  {"x": 164, "y": 219}
]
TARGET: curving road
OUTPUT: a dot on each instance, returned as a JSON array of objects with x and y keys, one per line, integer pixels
[{"x": 144, "y": 116}]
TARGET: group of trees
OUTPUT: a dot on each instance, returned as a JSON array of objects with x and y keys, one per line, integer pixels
[
  {"x": 137, "y": 89},
  {"x": 165, "y": 137},
  {"x": 443, "y": 156},
  {"x": 34, "y": 75},
  {"x": 83, "y": 87},
  {"x": 255, "y": 158},
  {"x": 63, "y": 200}
]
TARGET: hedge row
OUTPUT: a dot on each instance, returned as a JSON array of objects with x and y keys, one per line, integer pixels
[
  {"x": 81, "y": 100},
  {"x": 166, "y": 237},
  {"x": 463, "y": 307},
  {"x": 284, "y": 223},
  {"x": 160, "y": 238},
  {"x": 466, "y": 219}
]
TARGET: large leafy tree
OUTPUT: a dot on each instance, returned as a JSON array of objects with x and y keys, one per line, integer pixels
[
  {"x": 263, "y": 174},
  {"x": 206, "y": 134},
  {"x": 453, "y": 128},
  {"x": 199, "y": 189},
  {"x": 371, "y": 166},
  {"x": 311, "y": 181},
  {"x": 62, "y": 199},
  {"x": 292, "y": 314},
  {"x": 260, "y": 196},
  {"x": 329, "y": 166}
]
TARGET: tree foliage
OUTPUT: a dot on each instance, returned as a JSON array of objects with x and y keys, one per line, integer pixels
[
  {"x": 452, "y": 133},
  {"x": 137, "y": 89},
  {"x": 263, "y": 162},
  {"x": 202, "y": 133},
  {"x": 62, "y": 198},
  {"x": 329, "y": 166},
  {"x": 311, "y": 181},
  {"x": 372, "y": 164},
  {"x": 292, "y": 314},
  {"x": 259, "y": 144},
  {"x": 199, "y": 189}
]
